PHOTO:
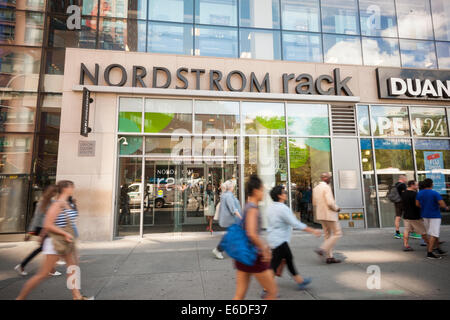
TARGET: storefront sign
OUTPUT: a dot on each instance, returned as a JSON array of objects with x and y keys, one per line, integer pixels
[
  {"x": 434, "y": 164},
  {"x": 395, "y": 83},
  {"x": 237, "y": 81}
]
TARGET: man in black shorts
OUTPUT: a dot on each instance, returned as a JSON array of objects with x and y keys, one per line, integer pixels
[{"x": 401, "y": 187}]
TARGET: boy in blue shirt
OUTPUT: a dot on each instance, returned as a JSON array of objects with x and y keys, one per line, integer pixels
[{"x": 430, "y": 203}]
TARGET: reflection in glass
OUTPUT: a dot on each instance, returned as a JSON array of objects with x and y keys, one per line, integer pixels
[
  {"x": 305, "y": 47},
  {"x": 60, "y": 36},
  {"x": 168, "y": 116},
  {"x": 130, "y": 115},
  {"x": 389, "y": 121},
  {"x": 263, "y": 118},
  {"x": 88, "y": 33},
  {"x": 441, "y": 22},
  {"x": 342, "y": 49},
  {"x": 130, "y": 145},
  {"x": 381, "y": 52},
  {"x": 340, "y": 16},
  {"x": 363, "y": 120},
  {"x": 216, "y": 42},
  {"x": 414, "y": 19},
  {"x": 20, "y": 27},
  {"x": 256, "y": 44},
  {"x": 13, "y": 202},
  {"x": 394, "y": 158},
  {"x": 114, "y": 8},
  {"x": 418, "y": 54},
  {"x": 17, "y": 111},
  {"x": 301, "y": 15},
  {"x": 88, "y": 7},
  {"x": 129, "y": 196},
  {"x": 217, "y": 116},
  {"x": 378, "y": 18},
  {"x": 307, "y": 119},
  {"x": 259, "y": 13},
  {"x": 15, "y": 153},
  {"x": 443, "y": 54},
  {"x": 308, "y": 158},
  {"x": 137, "y": 9},
  {"x": 266, "y": 157},
  {"x": 216, "y": 12},
  {"x": 126, "y": 35},
  {"x": 433, "y": 162},
  {"x": 171, "y": 10},
  {"x": 429, "y": 122},
  {"x": 370, "y": 193},
  {"x": 169, "y": 38}
]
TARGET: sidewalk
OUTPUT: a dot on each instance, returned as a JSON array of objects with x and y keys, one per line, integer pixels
[{"x": 181, "y": 266}]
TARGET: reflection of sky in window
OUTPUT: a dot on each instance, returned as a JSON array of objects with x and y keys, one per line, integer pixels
[
  {"x": 301, "y": 15},
  {"x": 216, "y": 42},
  {"x": 302, "y": 47},
  {"x": 418, "y": 54},
  {"x": 340, "y": 16},
  {"x": 441, "y": 21},
  {"x": 260, "y": 14},
  {"x": 171, "y": 10},
  {"x": 378, "y": 18},
  {"x": 381, "y": 52},
  {"x": 167, "y": 38},
  {"x": 342, "y": 49},
  {"x": 443, "y": 53},
  {"x": 306, "y": 120},
  {"x": 217, "y": 12},
  {"x": 414, "y": 19},
  {"x": 256, "y": 44}
]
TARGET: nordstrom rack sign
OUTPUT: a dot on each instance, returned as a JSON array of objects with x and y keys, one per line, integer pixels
[{"x": 418, "y": 84}]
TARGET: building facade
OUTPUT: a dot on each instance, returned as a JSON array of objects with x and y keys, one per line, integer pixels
[{"x": 188, "y": 94}]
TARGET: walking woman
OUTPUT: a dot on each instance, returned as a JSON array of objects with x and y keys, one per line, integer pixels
[
  {"x": 59, "y": 216},
  {"x": 281, "y": 220},
  {"x": 210, "y": 209},
  {"x": 252, "y": 224},
  {"x": 36, "y": 228}
]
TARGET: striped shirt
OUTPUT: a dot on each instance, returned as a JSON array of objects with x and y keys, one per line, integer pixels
[{"x": 72, "y": 214}]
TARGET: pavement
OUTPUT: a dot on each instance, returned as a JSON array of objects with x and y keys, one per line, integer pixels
[{"x": 181, "y": 266}]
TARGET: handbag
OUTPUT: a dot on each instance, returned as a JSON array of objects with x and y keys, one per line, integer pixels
[
  {"x": 216, "y": 215},
  {"x": 60, "y": 244},
  {"x": 238, "y": 246}
]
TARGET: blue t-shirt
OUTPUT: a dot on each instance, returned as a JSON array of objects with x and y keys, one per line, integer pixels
[{"x": 429, "y": 203}]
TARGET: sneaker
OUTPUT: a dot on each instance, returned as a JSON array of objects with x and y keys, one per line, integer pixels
[
  {"x": 398, "y": 235},
  {"x": 415, "y": 235},
  {"x": 431, "y": 255},
  {"x": 60, "y": 262},
  {"x": 440, "y": 252},
  {"x": 304, "y": 284},
  {"x": 408, "y": 249},
  {"x": 20, "y": 270},
  {"x": 55, "y": 274},
  {"x": 218, "y": 254},
  {"x": 264, "y": 293},
  {"x": 333, "y": 260}
]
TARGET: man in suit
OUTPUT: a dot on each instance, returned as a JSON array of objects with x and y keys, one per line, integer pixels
[{"x": 326, "y": 212}]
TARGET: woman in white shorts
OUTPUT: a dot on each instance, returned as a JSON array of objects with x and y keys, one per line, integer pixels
[{"x": 59, "y": 214}]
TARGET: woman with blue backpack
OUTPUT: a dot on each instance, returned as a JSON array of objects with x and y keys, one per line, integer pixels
[{"x": 251, "y": 224}]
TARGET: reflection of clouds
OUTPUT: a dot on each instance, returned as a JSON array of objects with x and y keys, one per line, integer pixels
[
  {"x": 444, "y": 63},
  {"x": 415, "y": 56},
  {"x": 344, "y": 51},
  {"x": 373, "y": 54}
]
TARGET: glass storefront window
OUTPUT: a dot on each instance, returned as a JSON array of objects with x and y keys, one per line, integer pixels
[
  {"x": 216, "y": 42},
  {"x": 418, "y": 54},
  {"x": 441, "y": 23},
  {"x": 389, "y": 121},
  {"x": 168, "y": 116},
  {"x": 216, "y": 12},
  {"x": 130, "y": 145},
  {"x": 443, "y": 54},
  {"x": 394, "y": 157},
  {"x": 307, "y": 119},
  {"x": 88, "y": 33},
  {"x": 130, "y": 115},
  {"x": 381, "y": 52},
  {"x": 33, "y": 23},
  {"x": 263, "y": 118},
  {"x": 340, "y": 16},
  {"x": 266, "y": 157},
  {"x": 429, "y": 122},
  {"x": 301, "y": 15},
  {"x": 305, "y": 47},
  {"x": 259, "y": 14},
  {"x": 15, "y": 153},
  {"x": 256, "y": 44},
  {"x": 433, "y": 161},
  {"x": 342, "y": 49},
  {"x": 114, "y": 8},
  {"x": 88, "y": 7},
  {"x": 116, "y": 34},
  {"x": 363, "y": 120},
  {"x": 171, "y": 10},
  {"x": 217, "y": 117},
  {"x": 370, "y": 193},
  {"x": 17, "y": 112},
  {"x": 308, "y": 158},
  {"x": 60, "y": 36},
  {"x": 414, "y": 19},
  {"x": 378, "y": 18},
  {"x": 169, "y": 38},
  {"x": 13, "y": 202}
]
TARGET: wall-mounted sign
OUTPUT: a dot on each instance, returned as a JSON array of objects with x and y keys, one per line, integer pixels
[
  {"x": 237, "y": 81},
  {"x": 418, "y": 84},
  {"x": 86, "y": 148},
  {"x": 87, "y": 100}
]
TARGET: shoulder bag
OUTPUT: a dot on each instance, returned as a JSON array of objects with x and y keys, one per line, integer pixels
[{"x": 60, "y": 244}]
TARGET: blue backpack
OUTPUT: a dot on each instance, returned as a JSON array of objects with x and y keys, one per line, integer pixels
[{"x": 238, "y": 246}]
